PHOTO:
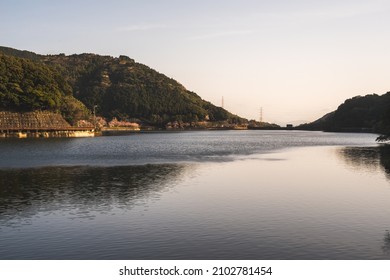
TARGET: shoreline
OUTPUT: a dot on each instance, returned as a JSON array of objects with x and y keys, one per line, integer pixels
[
  {"x": 87, "y": 132},
  {"x": 71, "y": 132}
]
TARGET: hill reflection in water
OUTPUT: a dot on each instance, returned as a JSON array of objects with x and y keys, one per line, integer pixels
[
  {"x": 25, "y": 192},
  {"x": 370, "y": 159},
  {"x": 367, "y": 158}
]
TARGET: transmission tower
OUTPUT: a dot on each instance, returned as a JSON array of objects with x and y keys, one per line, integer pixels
[{"x": 261, "y": 114}]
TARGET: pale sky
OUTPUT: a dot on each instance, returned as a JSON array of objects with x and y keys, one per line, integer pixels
[{"x": 296, "y": 59}]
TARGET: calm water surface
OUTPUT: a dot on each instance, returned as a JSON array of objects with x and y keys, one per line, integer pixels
[{"x": 196, "y": 195}]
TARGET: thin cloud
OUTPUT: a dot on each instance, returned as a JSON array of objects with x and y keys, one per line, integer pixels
[
  {"x": 220, "y": 34},
  {"x": 141, "y": 27}
]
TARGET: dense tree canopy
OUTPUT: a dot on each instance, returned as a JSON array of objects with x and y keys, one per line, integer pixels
[{"x": 26, "y": 85}]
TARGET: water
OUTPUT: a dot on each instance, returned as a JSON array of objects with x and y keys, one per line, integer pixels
[
  {"x": 196, "y": 195},
  {"x": 157, "y": 148}
]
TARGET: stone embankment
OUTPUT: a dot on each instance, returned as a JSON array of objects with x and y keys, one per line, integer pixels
[{"x": 39, "y": 124}]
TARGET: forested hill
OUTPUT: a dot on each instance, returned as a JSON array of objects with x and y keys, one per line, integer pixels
[
  {"x": 119, "y": 87},
  {"x": 369, "y": 113},
  {"x": 27, "y": 86}
]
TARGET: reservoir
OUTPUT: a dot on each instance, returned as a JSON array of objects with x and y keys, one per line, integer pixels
[{"x": 196, "y": 195}]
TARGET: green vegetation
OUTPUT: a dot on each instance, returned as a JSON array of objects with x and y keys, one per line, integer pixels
[
  {"x": 119, "y": 87},
  {"x": 262, "y": 125},
  {"x": 20, "y": 54},
  {"x": 26, "y": 85},
  {"x": 370, "y": 113}
]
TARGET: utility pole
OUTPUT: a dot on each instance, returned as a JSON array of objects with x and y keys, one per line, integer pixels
[
  {"x": 94, "y": 116},
  {"x": 223, "y": 103}
]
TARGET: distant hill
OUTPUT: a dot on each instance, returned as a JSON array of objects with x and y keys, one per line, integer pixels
[
  {"x": 370, "y": 113},
  {"x": 118, "y": 87}
]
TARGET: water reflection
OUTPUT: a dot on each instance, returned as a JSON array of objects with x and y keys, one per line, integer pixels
[
  {"x": 81, "y": 190},
  {"x": 308, "y": 206},
  {"x": 370, "y": 159},
  {"x": 367, "y": 158},
  {"x": 385, "y": 158},
  {"x": 386, "y": 243}
]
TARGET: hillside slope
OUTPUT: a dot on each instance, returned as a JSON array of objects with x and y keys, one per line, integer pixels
[
  {"x": 118, "y": 87},
  {"x": 369, "y": 113}
]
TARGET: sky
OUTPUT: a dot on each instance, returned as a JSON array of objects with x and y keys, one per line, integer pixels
[{"x": 296, "y": 59}]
